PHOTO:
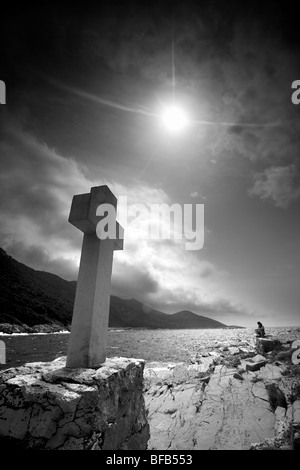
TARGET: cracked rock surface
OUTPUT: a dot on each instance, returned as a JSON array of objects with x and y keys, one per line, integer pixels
[
  {"x": 227, "y": 414},
  {"x": 48, "y": 406},
  {"x": 238, "y": 401}
]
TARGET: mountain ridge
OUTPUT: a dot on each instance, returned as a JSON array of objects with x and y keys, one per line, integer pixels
[{"x": 29, "y": 297}]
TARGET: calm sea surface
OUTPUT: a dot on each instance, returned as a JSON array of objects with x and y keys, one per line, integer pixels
[{"x": 151, "y": 345}]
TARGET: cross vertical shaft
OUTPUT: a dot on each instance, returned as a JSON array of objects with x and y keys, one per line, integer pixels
[{"x": 88, "y": 340}]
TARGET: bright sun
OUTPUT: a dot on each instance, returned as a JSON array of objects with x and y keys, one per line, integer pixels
[{"x": 174, "y": 119}]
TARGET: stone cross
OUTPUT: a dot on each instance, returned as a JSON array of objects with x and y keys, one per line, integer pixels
[{"x": 88, "y": 339}]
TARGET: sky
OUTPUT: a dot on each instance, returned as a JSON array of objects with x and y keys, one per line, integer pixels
[{"x": 85, "y": 89}]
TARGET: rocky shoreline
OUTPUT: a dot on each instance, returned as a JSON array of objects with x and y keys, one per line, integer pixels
[
  {"x": 9, "y": 329},
  {"x": 231, "y": 391},
  {"x": 243, "y": 396}
]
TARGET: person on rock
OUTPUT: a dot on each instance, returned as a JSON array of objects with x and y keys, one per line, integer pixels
[{"x": 260, "y": 331}]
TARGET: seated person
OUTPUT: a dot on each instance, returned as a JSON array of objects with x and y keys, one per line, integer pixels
[{"x": 260, "y": 331}]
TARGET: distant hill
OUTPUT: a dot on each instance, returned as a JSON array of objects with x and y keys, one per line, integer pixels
[
  {"x": 29, "y": 297},
  {"x": 131, "y": 313},
  {"x": 33, "y": 297},
  {"x": 191, "y": 320}
]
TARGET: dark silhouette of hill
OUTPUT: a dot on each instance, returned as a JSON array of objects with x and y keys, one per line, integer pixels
[
  {"x": 192, "y": 320},
  {"x": 29, "y": 297},
  {"x": 33, "y": 297}
]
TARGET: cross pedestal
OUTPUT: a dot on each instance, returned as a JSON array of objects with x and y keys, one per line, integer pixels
[{"x": 88, "y": 339}]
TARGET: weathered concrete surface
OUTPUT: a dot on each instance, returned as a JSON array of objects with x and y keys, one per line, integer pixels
[
  {"x": 48, "y": 406},
  {"x": 88, "y": 339},
  {"x": 227, "y": 414}
]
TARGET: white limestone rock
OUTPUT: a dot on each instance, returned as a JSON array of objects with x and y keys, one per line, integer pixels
[
  {"x": 45, "y": 406},
  {"x": 296, "y": 412}
]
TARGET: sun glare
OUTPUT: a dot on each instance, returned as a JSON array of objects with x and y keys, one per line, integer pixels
[{"x": 174, "y": 119}]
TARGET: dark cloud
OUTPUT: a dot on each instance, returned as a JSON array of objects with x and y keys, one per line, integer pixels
[
  {"x": 220, "y": 310},
  {"x": 38, "y": 258},
  {"x": 133, "y": 281},
  {"x": 36, "y": 190},
  {"x": 234, "y": 63}
]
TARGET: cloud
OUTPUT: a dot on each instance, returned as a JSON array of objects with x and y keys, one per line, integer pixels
[
  {"x": 231, "y": 65},
  {"x": 164, "y": 275},
  {"x": 220, "y": 308},
  {"x": 38, "y": 258},
  {"x": 36, "y": 188},
  {"x": 279, "y": 185},
  {"x": 255, "y": 89},
  {"x": 131, "y": 281}
]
